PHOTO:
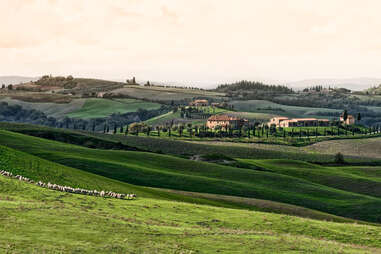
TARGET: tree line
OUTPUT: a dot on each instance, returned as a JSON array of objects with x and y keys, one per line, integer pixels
[{"x": 16, "y": 113}]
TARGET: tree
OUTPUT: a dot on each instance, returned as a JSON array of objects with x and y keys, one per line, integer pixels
[
  {"x": 115, "y": 129},
  {"x": 126, "y": 132},
  {"x": 133, "y": 80},
  {"x": 345, "y": 115},
  {"x": 158, "y": 128},
  {"x": 359, "y": 117},
  {"x": 10, "y": 87},
  {"x": 339, "y": 158}
]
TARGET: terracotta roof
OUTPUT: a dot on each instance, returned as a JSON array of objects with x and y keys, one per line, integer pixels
[
  {"x": 306, "y": 119},
  {"x": 349, "y": 116}
]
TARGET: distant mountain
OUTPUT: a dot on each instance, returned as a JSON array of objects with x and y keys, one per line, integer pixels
[
  {"x": 15, "y": 79},
  {"x": 356, "y": 84}
]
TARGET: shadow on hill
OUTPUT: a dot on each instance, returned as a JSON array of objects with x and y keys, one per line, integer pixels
[{"x": 79, "y": 139}]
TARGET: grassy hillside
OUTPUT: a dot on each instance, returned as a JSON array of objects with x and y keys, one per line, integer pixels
[
  {"x": 165, "y": 94},
  {"x": 279, "y": 109},
  {"x": 354, "y": 179},
  {"x": 184, "y": 148},
  {"x": 170, "y": 146},
  {"x": 370, "y": 147},
  {"x": 57, "y": 110},
  {"x": 54, "y": 222},
  {"x": 96, "y": 107},
  {"x": 39, "y": 169},
  {"x": 163, "y": 171}
]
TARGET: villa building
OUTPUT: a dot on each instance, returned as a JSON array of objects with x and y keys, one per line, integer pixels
[
  {"x": 199, "y": 103},
  {"x": 297, "y": 122},
  {"x": 350, "y": 119},
  {"x": 225, "y": 121}
]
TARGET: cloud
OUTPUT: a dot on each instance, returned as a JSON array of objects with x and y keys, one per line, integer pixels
[{"x": 247, "y": 37}]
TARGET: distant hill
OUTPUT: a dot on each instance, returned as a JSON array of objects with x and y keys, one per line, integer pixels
[
  {"x": 356, "y": 84},
  {"x": 374, "y": 90},
  {"x": 16, "y": 79}
]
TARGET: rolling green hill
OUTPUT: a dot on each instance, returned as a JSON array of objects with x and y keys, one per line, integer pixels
[
  {"x": 148, "y": 169},
  {"x": 279, "y": 109},
  {"x": 38, "y": 169},
  {"x": 363, "y": 180},
  {"x": 165, "y": 94},
  {"x": 96, "y": 108},
  {"x": 37, "y": 220},
  {"x": 186, "y": 148}
]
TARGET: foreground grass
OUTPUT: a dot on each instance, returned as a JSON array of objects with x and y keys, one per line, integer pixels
[
  {"x": 36, "y": 220},
  {"x": 163, "y": 171}
]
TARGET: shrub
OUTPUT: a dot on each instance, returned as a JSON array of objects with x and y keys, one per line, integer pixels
[{"x": 339, "y": 158}]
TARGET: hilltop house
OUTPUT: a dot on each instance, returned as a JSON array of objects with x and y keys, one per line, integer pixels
[
  {"x": 199, "y": 103},
  {"x": 350, "y": 119},
  {"x": 297, "y": 122},
  {"x": 225, "y": 121},
  {"x": 100, "y": 94}
]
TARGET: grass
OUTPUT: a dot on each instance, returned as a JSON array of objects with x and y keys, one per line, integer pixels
[
  {"x": 272, "y": 108},
  {"x": 165, "y": 94},
  {"x": 161, "y": 119},
  {"x": 163, "y": 171},
  {"x": 170, "y": 145},
  {"x": 98, "y": 108},
  {"x": 37, "y": 220},
  {"x": 39, "y": 169},
  {"x": 181, "y": 147},
  {"x": 370, "y": 147},
  {"x": 349, "y": 178},
  {"x": 56, "y": 110}
]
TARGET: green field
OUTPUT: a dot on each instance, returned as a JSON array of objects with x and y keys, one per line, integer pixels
[
  {"x": 272, "y": 108},
  {"x": 163, "y": 171},
  {"x": 36, "y": 220},
  {"x": 37, "y": 168},
  {"x": 165, "y": 94},
  {"x": 58, "y": 110},
  {"x": 251, "y": 206},
  {"x": 97, "y": 108}
]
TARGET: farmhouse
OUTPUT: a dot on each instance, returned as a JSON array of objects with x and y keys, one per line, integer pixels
[
  {"x": 199, "y": 103},
  {"x": 100, "y": 94},
  {"x": 297, "y": 122},
  {"x": 225, "y": 121},
  {"x": 350, "y": 119}
]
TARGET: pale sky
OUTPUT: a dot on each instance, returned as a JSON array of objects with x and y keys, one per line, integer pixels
[{"x": 191, "y": 40}]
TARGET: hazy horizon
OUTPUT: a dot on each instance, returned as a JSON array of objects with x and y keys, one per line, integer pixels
[{"x": 191, "y": 42}]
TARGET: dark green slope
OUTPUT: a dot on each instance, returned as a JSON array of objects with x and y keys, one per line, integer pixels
[
  {"x": 349, "y": 178},
  {"x": 165, "y": 171}
]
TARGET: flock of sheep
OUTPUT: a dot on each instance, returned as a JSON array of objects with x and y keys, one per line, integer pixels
[{"x": 70, "y": 189}]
